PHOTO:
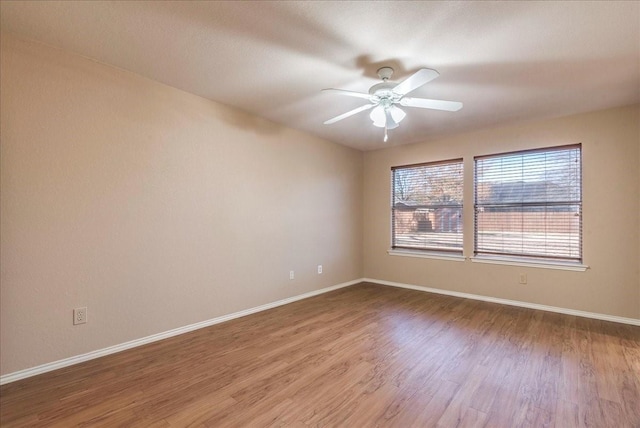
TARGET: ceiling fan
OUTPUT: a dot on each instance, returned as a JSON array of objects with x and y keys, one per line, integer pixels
[{"x": 384, "y": 96}]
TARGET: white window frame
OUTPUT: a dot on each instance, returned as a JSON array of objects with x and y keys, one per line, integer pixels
[{"x": 436, "y": 252}]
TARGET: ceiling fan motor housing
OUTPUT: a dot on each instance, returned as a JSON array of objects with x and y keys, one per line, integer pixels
[{"x": 384, "y": 90}]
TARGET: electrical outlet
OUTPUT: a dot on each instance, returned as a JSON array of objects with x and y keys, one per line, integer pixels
[
  {"x": 523, "y": 278},
  {"x": 79, "y": 316},
  {"x": 319, "y": 269},
  {"x": 292, "y": 274}
]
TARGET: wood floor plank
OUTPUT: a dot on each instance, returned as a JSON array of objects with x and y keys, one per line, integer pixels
[
  {"x": 457, "y": 408},
  {"x": 471, "y": 418},
  {"x": 432, "y": 412},
  {"x": 366, "y": 355},
  {"x": 566, "y": 414},
  {"x": 199, "y": 411}
]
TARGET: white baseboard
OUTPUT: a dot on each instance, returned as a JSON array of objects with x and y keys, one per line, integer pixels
[
  {"x": 33, "y": 371},
  {"x": 23, "y": 374},
  {"x": 604, "y": 317}
]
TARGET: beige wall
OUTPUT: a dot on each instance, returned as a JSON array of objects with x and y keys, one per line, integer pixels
[
  {"x": 154, "y": 208},
  {"x": 611, "y": 178}
]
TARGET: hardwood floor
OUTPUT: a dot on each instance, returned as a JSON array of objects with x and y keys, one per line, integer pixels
[{"x": 363, "y": 356}]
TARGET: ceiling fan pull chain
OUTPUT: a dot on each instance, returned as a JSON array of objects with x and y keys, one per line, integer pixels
[{"x": 386, "y": 137}]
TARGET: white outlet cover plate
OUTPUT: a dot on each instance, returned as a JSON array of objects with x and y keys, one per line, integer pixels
[{"x": 79, "y": 316}]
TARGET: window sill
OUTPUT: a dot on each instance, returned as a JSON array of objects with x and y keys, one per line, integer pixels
[
  {"x": 427, "y": 255},
  {"x": 544, "y": 264}
]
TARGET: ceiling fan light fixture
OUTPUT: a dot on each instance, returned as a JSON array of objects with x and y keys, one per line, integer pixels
[
  {"x": 379, "y": 117},
  {"x": 397, "y": 114}
]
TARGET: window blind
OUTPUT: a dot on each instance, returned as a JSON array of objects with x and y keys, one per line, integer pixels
[
  {"x": 530, "y": 204},
  {"x": 426, "y": 206}
]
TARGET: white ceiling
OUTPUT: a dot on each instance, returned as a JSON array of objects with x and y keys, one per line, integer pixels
[{"x": 506, "y": 61}]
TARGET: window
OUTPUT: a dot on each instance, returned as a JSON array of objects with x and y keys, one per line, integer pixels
[
  {"x": 529, "y": 204},
  {"x": 426, "y": 211}
]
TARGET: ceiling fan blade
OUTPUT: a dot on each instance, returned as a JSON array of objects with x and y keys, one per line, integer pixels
[
  {"x": 348, "y": 93},
  {"x": 349, "y": 113},
  {"x": 432, "y": 104},
  {"x": 416, "y": 80}
]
